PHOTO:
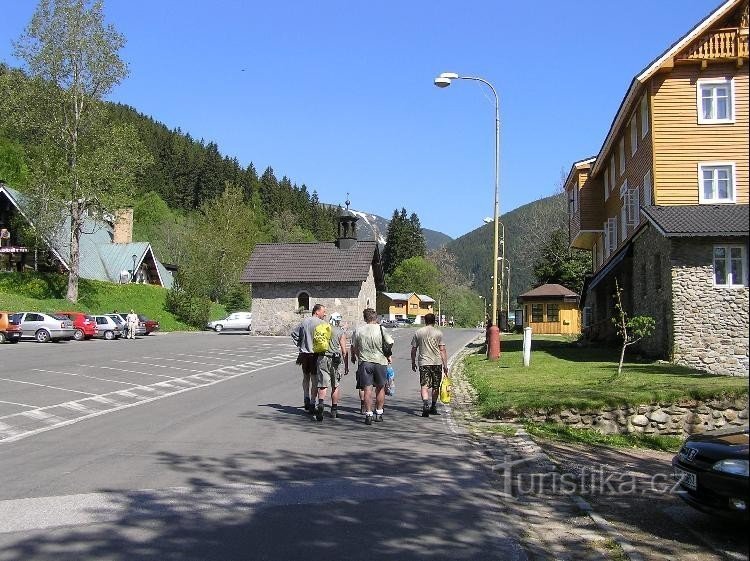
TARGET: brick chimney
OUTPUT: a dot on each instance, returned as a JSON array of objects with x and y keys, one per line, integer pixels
[{"x": 123, "y": 226}]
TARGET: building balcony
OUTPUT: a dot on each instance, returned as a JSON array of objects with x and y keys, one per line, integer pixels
[
  {"x": 720, "y": 46},
  {"x": 583, "y": 232}
]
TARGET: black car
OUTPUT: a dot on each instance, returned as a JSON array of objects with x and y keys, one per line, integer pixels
[{"x": 712, "y": 471}]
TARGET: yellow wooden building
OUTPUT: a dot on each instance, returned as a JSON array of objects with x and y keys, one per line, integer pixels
[
  {"x": 662, "y": 209},
  {"x": 397, "y": 305},
  {"x": 551, "y": 309}
]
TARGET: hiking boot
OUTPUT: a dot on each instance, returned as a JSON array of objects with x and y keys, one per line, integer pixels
[
  {"x": 425, "y": 411},
  {"x": 378, "y": 417},
  {"x": 368, "y": 419},
  {"x": 433, "y": 410},
  {"x": 334, "y": 412},
  {"x": 319, "y": 412},
  {"x": 307, "y": 406}
]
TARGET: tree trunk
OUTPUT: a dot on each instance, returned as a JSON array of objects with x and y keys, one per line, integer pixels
[
  {"x": 622, "y": 358},
  {"x": 75, "y": 240}
]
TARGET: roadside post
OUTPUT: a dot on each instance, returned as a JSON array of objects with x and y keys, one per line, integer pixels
[{"x": 526, "y": 346}]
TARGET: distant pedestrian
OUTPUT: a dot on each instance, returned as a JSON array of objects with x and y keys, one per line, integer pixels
[
  {"x": 428, "y": 351},
  {"x": 132, "y": 322},
  {"x": 329, "y": 368},
  {"x": 303, "y": 338},
  {"x": 368, "y": 345}
]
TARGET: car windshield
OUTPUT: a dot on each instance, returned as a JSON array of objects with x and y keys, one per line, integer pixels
[{"x": 117, "y": 318}]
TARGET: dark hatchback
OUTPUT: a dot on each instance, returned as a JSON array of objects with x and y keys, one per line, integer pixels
[{"x": 712, "y": 471}]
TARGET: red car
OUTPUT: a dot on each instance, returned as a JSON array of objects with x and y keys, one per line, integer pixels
[
  {"x": 84, "y": 325},
  {"x": 151, "y": 324}
]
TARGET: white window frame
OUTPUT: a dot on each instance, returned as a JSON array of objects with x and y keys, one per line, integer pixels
[
  {"x": 644, "y": 116},
  {"x": 587, "y": 316},
  {"x": 633, "y": 135},
  {"x": 713, "y": 83},
  {"x": 732, "y": 181},
  {"x": 632, "y": 206},
  {"x": 606, "y": 183},
  {"x": 610, "y": 235},
  {"x": 621, "y": 154},
  {"x": 647, "y": 189},
  {"x": 731, "y": 282}
]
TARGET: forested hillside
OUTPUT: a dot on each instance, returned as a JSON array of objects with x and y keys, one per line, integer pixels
[{"x": 527, "y": 229}]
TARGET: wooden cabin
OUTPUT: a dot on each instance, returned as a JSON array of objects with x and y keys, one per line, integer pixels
[{"x": 551, "y": 309}]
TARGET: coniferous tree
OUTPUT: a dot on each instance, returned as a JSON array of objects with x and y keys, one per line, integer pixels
[{"x": 418, "y": 245}]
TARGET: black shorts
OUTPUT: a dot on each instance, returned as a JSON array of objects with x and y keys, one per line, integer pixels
[{"x": 371, "y": 374}]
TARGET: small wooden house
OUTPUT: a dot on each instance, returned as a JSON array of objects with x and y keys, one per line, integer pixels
[
  {"x": 396, "y": 305},
  {"x": 551, "y": 309}
]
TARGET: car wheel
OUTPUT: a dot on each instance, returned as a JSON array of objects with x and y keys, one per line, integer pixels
[
  {"x": 78, "y": 335},
  {"x": 42, "y": 336},
  {"x": 108, "y": 335},
  {"x": 2, "y": 337},
  {"x": 218, "y": 328}
]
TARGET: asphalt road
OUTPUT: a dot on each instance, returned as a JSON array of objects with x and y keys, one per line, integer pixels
[{"x": 195, "y": 446}]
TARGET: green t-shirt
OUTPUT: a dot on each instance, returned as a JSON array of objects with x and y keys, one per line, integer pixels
[
  {"x": 427, "y": 341},
  {"x": 369, "y": 343}
]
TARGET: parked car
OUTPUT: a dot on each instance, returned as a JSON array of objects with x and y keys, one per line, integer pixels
[
  {"x": 404, "y": 322},
  {"x": 140, "y": 330},
  {"x": 44, "y": 327},
  {"x": 151, "y": 324},
  {"x": 84, "y": 325},
  {"x": 389, "y": 323},
  {"x": 712, "y": 471},
  {"x": 10, "y": 330},
  {"x": 108, "y": 328},
  {"x": 236, "y": 321}
]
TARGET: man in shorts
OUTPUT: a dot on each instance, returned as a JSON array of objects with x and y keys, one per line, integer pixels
[
  {"x": 433, "y": 362},
  {"x": 303, "y": 337},
  {"x": 328, "y": 368},
  {"x": 367, "y": 347}
]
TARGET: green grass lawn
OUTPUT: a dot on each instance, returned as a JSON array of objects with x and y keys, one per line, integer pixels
[
  {"x": 46, "y": 293},
  {"x": 564, "y": 376}
]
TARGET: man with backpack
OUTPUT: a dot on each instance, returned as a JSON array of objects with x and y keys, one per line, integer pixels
[
  {"x": 371, "y": 345},
  {"x": 303, "y": 337},
  {"x": 328, "y": 373}
]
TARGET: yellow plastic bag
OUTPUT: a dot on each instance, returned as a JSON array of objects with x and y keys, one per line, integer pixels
[{"x": 445, "y": 390}]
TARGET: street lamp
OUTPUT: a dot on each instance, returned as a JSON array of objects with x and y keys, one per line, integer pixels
[
  {"x": 132, "y": 278},
  {"x": 443, "y": 81},
  {"x": 484, "y": 317}
]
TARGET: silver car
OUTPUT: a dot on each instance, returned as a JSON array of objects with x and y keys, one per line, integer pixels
[
  {"x": 236, "y": 321},
  {"x": 44, "y": 327},
  {"x": 109, "y": 328}
]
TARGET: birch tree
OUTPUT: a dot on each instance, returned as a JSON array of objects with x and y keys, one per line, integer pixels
[{"x": 85, "y": 165}]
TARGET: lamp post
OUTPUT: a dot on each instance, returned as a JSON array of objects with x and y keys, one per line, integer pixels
[
  {"x": 484, "y": 317},
  {"x": 443, "y": 81},
  {"x": 132, "y": 277}
]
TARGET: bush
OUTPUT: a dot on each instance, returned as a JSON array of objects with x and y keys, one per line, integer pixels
[{"x": 193, "y": 310}]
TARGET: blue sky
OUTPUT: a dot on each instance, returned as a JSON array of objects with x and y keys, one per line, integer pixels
[{"x": 339, "y": 95}]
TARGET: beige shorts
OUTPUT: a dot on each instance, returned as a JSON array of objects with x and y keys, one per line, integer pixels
[{"x": 327, "y": 375}]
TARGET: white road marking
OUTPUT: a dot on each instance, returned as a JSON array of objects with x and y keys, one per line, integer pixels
[
  {"x": 45, "y": 386},
  {"x": 25, "y": 434},
  {"x": 156, "y": 365},
  {"x": 84, "y": 376},
  {"x": 179, "y": 360},
  {"x": 126, "y": 370},
  {"x": 20, "y": 404}
]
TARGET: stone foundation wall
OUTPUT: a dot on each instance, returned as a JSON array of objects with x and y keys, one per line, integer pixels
[
  {"x": 662, "y": 419},
  {"x": 275, "y": 304},
  {"x": 710, "y": 323}
]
